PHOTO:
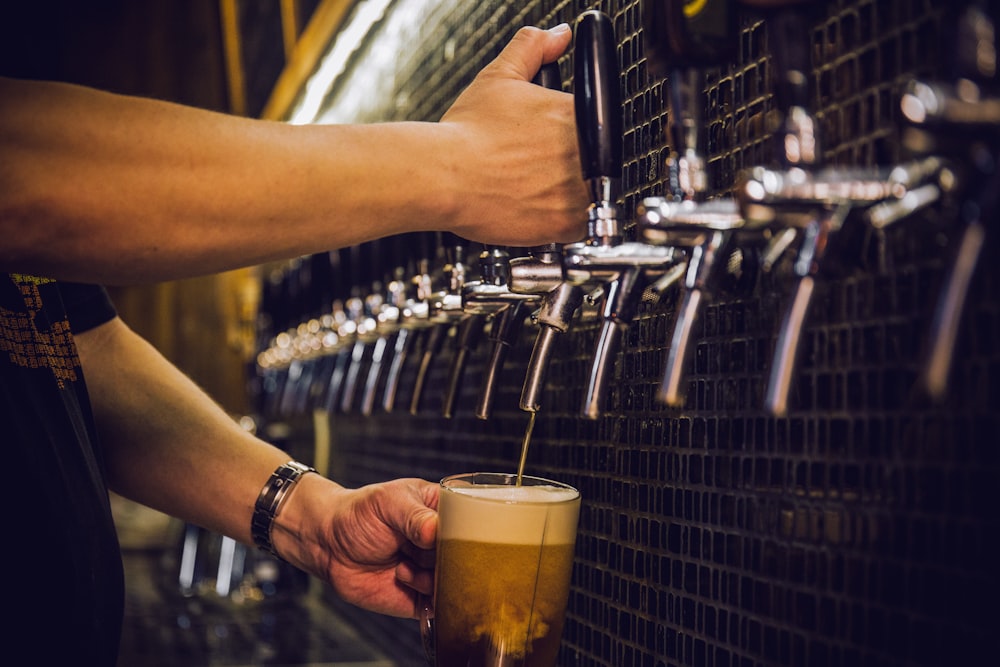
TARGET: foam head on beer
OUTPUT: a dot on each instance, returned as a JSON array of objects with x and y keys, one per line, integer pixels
[{"x": 505, "y": 556}]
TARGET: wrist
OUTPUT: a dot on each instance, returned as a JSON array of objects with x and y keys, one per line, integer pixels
[
  {"x": 271, "y": 501},
  {"x": 297, "y": 532}
]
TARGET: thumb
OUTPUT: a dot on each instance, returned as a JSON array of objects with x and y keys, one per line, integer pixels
[
  {"x": 529, "y": 49},
  {"x": 421, "y": 527},
  {"x": 412, "y": 510}
]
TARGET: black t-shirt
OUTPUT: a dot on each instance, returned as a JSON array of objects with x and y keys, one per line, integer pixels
[{"x": 63, "y": 583}]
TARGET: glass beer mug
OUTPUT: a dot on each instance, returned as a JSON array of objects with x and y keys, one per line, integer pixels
[{"x": 504, "y": 563}]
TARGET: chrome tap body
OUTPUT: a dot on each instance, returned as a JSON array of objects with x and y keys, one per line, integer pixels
[
  {"x": 444, "y": 310},
  {"x": 960, "y": 119},
  {"x": 623, "y": 269},
  {"x": 388, "y": 324},
  {"x": 362, "y": 311},
  {"x": 680, "y": 43},
  {"x": 413, "y": 322},
  {"x": 816, "y": 204},
  {"x": 540, "y": 279},
  {"x": 492, "y": 297},
  {"x": 707, "y": 230}
]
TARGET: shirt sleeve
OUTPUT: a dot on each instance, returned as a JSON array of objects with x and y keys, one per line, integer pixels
[{"x": 87, "y": 306}]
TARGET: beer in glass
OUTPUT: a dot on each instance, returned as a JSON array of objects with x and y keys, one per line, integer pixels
[{"x": 504, "y": 562}]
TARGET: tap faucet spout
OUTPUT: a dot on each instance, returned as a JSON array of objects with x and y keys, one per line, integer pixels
[
  {"x": 505, "y": 328},
  {"x": 619, "y": 306},
  {"x": 467, "y": 337},
  {"x": 554, "y": 316}
]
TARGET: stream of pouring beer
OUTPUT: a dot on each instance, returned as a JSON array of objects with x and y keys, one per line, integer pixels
[{"x": 524, "y": 446}]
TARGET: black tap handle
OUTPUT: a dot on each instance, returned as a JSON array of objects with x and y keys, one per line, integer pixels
[
  {"x": 597, "y": 96},
  {"x": 680, "y": 34},
  {"x": 549, "y": 76}
]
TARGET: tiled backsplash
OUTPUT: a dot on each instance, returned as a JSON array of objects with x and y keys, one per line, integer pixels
[{"x": 859, "y": 530}]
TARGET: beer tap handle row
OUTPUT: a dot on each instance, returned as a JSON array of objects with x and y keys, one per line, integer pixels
[{"x": 380, "y": 323}]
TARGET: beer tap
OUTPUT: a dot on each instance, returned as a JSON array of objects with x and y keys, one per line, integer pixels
[
  {"x": 344, "y": 322},
  {"x": 322, "y": 330},
  {"x": 449, "y": 307},
  {"x": 274, "y": 357},
  {"x": 295, "y": 360},
  {"x": 439, "y": 305},
  {"x": 363, "y": 309},
  {"x": 388, "y": 324},
  {"x": 814, "y": 202},
  {"x": 491, "y": 298},
  {"x": 680, "y": 43},
  {"x": 960, "y": 120},
  {"x": 623, "y": 269},
  {"x": 303, "y": 344},
  {"x": 414, "y": 318},
  {"x": 542, "y": 273}
]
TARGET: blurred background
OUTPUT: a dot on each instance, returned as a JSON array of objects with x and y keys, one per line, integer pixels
[{"x": 858, "y": 528}]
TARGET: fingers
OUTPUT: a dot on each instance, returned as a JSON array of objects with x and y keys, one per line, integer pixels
[
  {"x": 418, "y": 578},
  {"x": 529, "y": 49}
]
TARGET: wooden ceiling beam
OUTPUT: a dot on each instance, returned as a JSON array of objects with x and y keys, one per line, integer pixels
[
  {"x": 232, "y": 49},
  {"x": 326, "y": 20}
]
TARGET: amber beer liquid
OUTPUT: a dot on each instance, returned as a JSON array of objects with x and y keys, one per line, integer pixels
[{"x": 504, "y": 560}]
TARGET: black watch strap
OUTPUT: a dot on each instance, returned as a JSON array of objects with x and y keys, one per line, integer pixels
[{"x": 269, "y": 502}]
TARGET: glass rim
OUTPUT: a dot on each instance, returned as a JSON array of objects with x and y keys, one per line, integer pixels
[{"x": 511, "y": 479}]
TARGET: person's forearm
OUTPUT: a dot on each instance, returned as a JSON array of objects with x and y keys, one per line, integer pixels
[
  {"x": 103, "y": 188},
  {"x": 167, "y": 444},
  {"x": 96, "y": 187}
]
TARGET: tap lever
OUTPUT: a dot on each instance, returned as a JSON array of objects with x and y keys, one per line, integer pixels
[
  {"x": 604, "y": 261},
  {"x": 788, "y": 40},
  {"x": 597, "y": 102},
  {"x": 597, "y": 99}
]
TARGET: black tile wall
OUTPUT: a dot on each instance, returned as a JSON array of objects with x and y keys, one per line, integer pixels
[{"x": 861, "y": 529}]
